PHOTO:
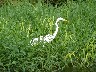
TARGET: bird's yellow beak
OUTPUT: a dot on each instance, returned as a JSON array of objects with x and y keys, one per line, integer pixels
[{"x": 65, "y": 20}]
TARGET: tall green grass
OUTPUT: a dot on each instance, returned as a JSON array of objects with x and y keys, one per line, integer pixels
[{"x": 73, "y": 49}]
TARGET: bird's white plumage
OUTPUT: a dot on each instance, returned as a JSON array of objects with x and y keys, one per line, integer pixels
[{"x": 48, "y": 38}]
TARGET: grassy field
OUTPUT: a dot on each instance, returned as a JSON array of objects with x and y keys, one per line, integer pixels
[{"x": 73, "y": 49}]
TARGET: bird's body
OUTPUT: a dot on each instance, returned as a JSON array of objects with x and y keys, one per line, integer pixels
[{"x": 48, "y": 38}]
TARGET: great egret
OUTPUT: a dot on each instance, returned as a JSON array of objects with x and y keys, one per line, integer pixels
[{"x": 48, "y": 38}]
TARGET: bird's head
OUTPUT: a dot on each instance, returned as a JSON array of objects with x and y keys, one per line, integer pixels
[{"x": 59, "y": 19}]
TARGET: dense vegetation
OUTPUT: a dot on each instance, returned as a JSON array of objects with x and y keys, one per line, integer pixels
[
  {"x": 73, "y": 49},
  {"x": 48, "y": 2}
]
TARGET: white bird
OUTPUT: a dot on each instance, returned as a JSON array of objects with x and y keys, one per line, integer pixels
[{"x": 48, "y": 38}]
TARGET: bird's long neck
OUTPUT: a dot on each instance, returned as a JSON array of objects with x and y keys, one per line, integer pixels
[{"x": 55, "y": 33}]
